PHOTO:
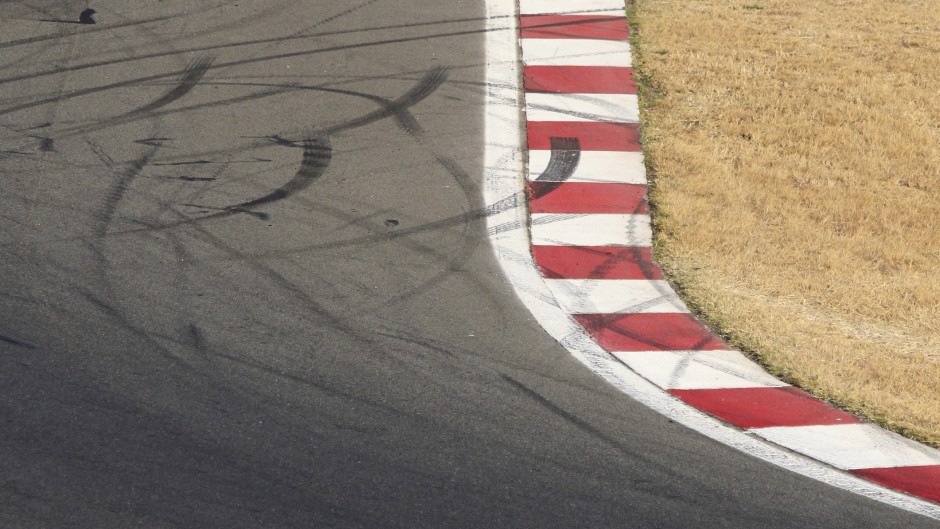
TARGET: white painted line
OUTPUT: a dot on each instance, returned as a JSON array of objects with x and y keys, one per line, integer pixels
[
  {"x": 850, "y": 446},
  {"x": 576, "y": 52},
  {"x": 503, "y": 191},
  {"x": 591, "y": 229},
  {"x": 596, "y": 166},
  {"x": 561, "y": 7},
  {"x": 698, "y": 369},
  {"x": 616, "y": 108},
  {"x": 615, "y": 296}
]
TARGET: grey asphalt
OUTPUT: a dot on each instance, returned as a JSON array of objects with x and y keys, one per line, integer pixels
[{"x": 244, "y": 284}]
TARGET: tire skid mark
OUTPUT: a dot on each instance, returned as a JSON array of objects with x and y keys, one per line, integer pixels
[
  {"x": 343, "y": 13},
  {"x": 18, "y": 343},
  {"x": 432, "y": 80},
  {"x": 240, "y": 62},
  {"x": 192, "y": 74},
  {"x": 562, "y": 163},
  {"x": 252, "y": 42},
  {"x": 397, "y": 108},
  {"x": 318, "y": 151},
  {"x": 127, "y": 118},
  {"x": 128, "y": 325},
  {"x": 118, "y": 190},
  {"x": 429, "y": 82},
  {"x": 83, "y": 31},
  {"x": 316, "y": 159},
  {"x": 465, "y": 247},
  {"x": 317, "y": 154},
  {"x": 505, "y": 204},
  {"x": 277, "y": 280},
  {"x": 587, "y": 428}
]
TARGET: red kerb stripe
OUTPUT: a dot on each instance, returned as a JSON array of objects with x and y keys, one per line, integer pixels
[
  {"x": 923, "y": 481},
  {"x": 579, "y": 79},
  {"x": 592, "y": 135},
  {"x": 764, "y": 407},
  {"x": 587, "y": 197},
  {"x": 574, "y": 27},
  {"x": 596, "y": 262},
  {"x": 649, "y": 332}
]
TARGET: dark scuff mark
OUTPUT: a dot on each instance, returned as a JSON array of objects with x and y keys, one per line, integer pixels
[
  {"x": 153, "y": 142},
  {"x": 18, "y": 343},
  {"x": 196, "y": 336},
  {"x": 564, "y": 160},
  {"x": 192, "y": 74},
  {"x": 554, "y": 408},
  {"x": 117, "y": 191},
  {"x": 316, "y": 158},
  {"x": 428, "y": 84},
  {"x": 205, "y": 162},
  {"x": 227, "y": 211},
  {"x": 195, "y": 178}
]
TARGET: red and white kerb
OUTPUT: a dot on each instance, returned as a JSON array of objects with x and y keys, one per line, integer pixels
[{"x": 591, "y": 239}]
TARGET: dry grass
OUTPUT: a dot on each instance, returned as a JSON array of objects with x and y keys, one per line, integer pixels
[{"x": 796, "y": 151}]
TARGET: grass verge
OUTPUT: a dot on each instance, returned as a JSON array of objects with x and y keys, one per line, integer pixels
[{"x": 794, "y": 148}]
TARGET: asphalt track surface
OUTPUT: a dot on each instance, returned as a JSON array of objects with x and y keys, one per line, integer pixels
[{"x": 245, "y": 282}]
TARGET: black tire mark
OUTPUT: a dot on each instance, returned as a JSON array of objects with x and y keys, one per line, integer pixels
[
  {"x": 661, "y": 465},
  {"x": 317, "y": 155},
  {"x": 126, "y": 118},
  {"x": 7, "y": 339},
  {"x": 40, "y": 38},
  {"x": 130, "y": 23},
  {"x": 564, "y": 160},
  {"x": 317, "y": 148},
  {"x": 428, "y": 84},
  {"x": 209, "y": 162},
  {"x": 286, "y": 55},
  {"x": 126, "y": 324},
  {"x": 316, "y": 159},
  {"x": 60, "y": 21},
  {"x": 465, "y": 247},
  {"x": 252, "y": 42},
  {"x": 192, "y": 74},
  {"x": 570, "y": 418},
  {"x": 341, "y": 14},
  {"x": 361, "y": 335},
  {"x": 119, "y": 189},
  {"x": 258, "y": 41}
]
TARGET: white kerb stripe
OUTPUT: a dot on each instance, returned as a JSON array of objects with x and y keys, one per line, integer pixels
[
  {"x": 617, "y": 108},
  {"x": 615, "y": 296},
  {"x": 539, "y": 7},
  {"x": 851, "y": 446},
  {"x": 623, "y": 167},
  {"x": 698, "y": 369},
  {"x": 576, "y": 52},
  {"x": 591, "y": 229}
]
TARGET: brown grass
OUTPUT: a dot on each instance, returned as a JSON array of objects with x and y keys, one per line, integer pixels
[{"x": 795, "y": 148}]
